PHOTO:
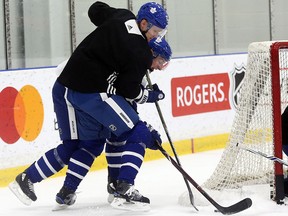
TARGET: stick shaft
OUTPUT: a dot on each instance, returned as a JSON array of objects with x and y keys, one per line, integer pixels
[
  {"x": 270, "y": 157},
  {"x": 191, "y": 197}
]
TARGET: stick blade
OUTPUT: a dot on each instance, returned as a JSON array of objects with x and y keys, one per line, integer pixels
[
  {"x": 191, "y": 197},
  {"x": 237, "y": 207}
]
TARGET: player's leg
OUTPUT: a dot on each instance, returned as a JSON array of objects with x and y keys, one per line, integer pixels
[
  {"x": 78, "y": 166},
  {"x": 92, "y": 136},
  {"x": 55, "y": 159},
  {"x": 113, "y": 152},
  {"x": 131, "y": 161},
  {"x": 142, "y": 136}
]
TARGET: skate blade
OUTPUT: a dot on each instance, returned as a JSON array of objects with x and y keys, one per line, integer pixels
[
  {"x": 120, "y": 203},
  {"x": 110, "y": 198},
  {"x": 59, "y": 207},
  {"x": 15, "y": 188}
]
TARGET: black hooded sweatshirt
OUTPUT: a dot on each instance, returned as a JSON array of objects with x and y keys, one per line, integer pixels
[{"x": 113, "y": 58}]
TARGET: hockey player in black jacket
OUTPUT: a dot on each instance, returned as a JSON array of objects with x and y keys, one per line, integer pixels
[
  {"x": 114, "y": 58},
  {"x": 90, "y": 101}
]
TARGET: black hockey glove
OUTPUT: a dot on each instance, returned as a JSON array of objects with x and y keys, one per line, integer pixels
[
  {"x": 155, "y": 138},
  {"x": 151, "y": 95}
]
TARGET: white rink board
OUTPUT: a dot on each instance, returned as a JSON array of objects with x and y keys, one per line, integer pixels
[
  {"x": 23, "y": 152},
  {"x": 197, "y": 125},
  {"x": 180, "y": 128}
]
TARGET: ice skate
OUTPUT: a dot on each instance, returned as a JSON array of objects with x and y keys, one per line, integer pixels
[
  {"x": 64, "y": 199},
  {"x": 23, "y": 189},
  {"x": 128, "y": 198},
  {"x": 111, "y": 190}
]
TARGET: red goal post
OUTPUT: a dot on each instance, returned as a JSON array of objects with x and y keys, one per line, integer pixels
[{"x": 278, "y": 65}]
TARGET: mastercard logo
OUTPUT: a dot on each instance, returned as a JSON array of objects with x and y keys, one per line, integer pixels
[{"x": 21, "y": 114}]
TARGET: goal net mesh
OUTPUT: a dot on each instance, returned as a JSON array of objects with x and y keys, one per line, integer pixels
[{"x": 252, "y": 126}]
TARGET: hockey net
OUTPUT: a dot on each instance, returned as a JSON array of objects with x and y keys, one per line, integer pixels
[{"x": 257, "y": 124}]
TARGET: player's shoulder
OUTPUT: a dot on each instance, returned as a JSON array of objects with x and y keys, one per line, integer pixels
[
  {"x": 125, "y": 27},
  {"x": 99, "y": 13},
  {"x": 121, "y": 16},
  {"x": 124, "y": 14}
]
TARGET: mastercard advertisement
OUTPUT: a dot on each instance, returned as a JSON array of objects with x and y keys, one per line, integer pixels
[
  {"x": 27, "y": 119},
  {"x": 21, "y": 114}
]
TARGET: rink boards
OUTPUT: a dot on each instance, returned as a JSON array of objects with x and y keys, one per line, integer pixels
[{"x": 198, "y": 110}]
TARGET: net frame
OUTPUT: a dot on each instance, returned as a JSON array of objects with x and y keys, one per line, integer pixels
[
  {"x": 265, "y": 84},
  {"x": 278, "y": 192}
]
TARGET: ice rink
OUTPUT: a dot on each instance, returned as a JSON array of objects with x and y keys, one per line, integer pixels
[{"x": 158, "y": 180}]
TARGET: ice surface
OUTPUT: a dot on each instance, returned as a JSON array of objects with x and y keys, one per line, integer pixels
[{"x": 158, "y": 180}]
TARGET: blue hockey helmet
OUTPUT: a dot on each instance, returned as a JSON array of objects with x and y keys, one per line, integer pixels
[
  {"x": 154, "y": 13},
  {"x": 160, "y": 47}
]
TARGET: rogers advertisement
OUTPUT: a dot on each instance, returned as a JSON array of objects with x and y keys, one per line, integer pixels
[{"x": 200, "y": 94}]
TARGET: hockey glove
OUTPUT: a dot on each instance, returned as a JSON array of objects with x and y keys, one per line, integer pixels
[
  {"x": 155, "y": 138},
  {"x": 156, "y": 94},
  {"x": 151, "y": 95}
]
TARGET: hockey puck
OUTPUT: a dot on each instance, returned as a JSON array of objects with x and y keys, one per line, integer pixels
[{"x": 216, "y": 210}]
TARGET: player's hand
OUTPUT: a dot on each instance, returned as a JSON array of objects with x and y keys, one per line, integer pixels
[
  {"x": 155, "y": 138},
  {"x": 151, "y": 95},
  {"x": 155, "y": 94}
]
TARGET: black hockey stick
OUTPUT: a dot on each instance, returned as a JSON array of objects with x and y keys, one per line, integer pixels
[
  {"x": 191, "y": 197},
  {"x": 233, "y": 209},
  {"x": 270, "y": 157}
]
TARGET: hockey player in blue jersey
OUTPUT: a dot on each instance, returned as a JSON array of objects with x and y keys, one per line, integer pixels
[
  {"x": 90, "y": 98},
  {"x": 116, "y": 152}
]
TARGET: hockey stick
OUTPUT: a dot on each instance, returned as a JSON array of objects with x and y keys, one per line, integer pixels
[
  {"x": 191, "y": 197},
  {"x": 233, "y": 209},
  {"x": 270, "y": 157}
]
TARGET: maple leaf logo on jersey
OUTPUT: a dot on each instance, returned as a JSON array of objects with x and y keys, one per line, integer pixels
[{"x": 153, "y": 10}]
